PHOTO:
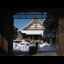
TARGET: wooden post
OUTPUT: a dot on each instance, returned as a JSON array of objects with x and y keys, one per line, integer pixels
[
  {"x": 32, "y": 37},
  {"x": 10, "y": 35},
  {"x": 61, "y": 36},
  {"x": 6, "y": 32},
  {"x": 1, "y": 40},
  {"x": 1, "y": 31}
]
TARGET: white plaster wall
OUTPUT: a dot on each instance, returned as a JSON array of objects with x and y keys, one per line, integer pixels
[{"x": 33, "y": 32}]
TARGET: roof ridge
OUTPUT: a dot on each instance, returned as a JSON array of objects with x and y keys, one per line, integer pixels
[
  {"x": 30, "y": 23},
  {"x": 27, "y": 24}
]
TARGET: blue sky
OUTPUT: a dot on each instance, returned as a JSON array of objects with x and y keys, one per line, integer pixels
[{"x": 20, "y": 23}]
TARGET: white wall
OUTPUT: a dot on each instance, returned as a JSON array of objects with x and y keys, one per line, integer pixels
[{"x": 33, "y": 32}]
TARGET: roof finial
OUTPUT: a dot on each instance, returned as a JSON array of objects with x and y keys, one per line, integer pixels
[{"x": 35, "y": 17}]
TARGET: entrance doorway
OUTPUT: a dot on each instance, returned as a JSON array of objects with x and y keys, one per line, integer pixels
[
  {"x": 23, "y": 34},
  {"x": 6, "y": 27}
]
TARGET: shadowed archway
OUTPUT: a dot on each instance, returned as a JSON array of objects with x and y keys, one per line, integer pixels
[{"x": 6, "y": 25}]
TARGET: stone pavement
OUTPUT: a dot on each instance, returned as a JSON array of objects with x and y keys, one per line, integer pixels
[
  {"x": 46, "y": 54},
  {"x": 38, "y": 54}
]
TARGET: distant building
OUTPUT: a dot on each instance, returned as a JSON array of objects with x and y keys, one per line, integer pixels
[
  {"x": 33, "y": 31},
  {"x": 19, "y": 36},
  {"x": 15, "y": 32}
]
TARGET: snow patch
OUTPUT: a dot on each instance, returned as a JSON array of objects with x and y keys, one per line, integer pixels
[{"x": 47, "y": 47}]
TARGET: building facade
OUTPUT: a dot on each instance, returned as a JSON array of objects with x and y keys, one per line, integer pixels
[{"x": 33, "y": 31}]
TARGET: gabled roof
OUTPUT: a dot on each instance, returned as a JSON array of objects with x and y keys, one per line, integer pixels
[{"x": 35, "y": 20}]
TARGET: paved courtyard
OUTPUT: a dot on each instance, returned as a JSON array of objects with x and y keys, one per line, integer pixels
[
  {"x": 44, "y": 50},
  {"x": 46, "y": 54},
  {"x": 38, "y": 54}
]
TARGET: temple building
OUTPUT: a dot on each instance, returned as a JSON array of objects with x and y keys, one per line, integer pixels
[{"x": 33, "y": 31}]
